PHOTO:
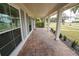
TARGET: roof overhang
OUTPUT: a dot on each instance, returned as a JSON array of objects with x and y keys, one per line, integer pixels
[{"x": 41, "y": 10}]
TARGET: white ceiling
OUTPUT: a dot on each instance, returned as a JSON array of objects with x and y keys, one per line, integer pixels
[
  {"x": 39, "y": 10},
  {"x": 42, "y": 9}
]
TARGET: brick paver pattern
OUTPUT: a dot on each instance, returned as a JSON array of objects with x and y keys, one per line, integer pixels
[{"x": 41, "y": 43}]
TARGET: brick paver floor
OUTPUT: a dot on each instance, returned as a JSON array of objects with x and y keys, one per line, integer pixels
[{"x": 41, "y": 43}]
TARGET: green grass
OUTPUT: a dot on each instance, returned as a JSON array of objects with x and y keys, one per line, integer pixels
[
  {"x": 5, "y": 26},
  {"x": 72, "y": 32}
]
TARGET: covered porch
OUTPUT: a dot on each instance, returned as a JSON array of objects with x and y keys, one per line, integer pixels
[
  {"x": 26, "y": 38},
  {"x": 41, "y": 43}
]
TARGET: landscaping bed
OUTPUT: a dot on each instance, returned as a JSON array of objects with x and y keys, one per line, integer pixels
[{"x": 71, "y": 44}]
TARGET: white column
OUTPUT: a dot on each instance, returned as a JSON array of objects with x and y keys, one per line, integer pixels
[
  {"x": 59, "y": 19},
  {"x": 45, "y": 23},
  {"x": 48, "y": 24},
  {"x": 34, "y": 24},
  {"x": 26, "y": 33},
  {"x": 27, "y": 25}
]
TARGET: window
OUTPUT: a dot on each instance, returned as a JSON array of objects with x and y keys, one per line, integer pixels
[
  {"x": 9, "y": 20},
  {"x": 14, "y": 17},
  {"x": 5, "y": 19},
  {"x": 4, "y": 9},
  {"x": 9, "y": 17}
]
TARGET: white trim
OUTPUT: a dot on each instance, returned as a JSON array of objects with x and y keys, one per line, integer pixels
[
  {"x": 25, "y": 23},
  {"x": 20, "y": 23},
  {"x": 9, "y": 30},
  {"x": 23, "y": 26},
  {"x": 32, "y": 23},
  {"x": 19, "y": 47},
  {"x": 13, "y": 5}
]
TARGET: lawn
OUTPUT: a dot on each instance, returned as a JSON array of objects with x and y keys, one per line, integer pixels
[
  {"x": 5, "y": 26},
  {"x": 72, "y": 32}
]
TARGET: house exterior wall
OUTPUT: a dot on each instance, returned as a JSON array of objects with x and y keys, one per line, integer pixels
[
  {"x": 24, "y": 27},
  {"x": 26, "y": 30}
]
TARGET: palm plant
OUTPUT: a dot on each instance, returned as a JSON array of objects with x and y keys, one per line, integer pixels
[{"x": 75, "y": 9}]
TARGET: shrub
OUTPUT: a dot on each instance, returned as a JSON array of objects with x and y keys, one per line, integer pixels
[
  {"x": 40, "y": 24},
  {"x": 64, "y": 38},
  {"x": 74, "y": 43},
  {"x": 60, "y": 35},
  {"x": 52, "y": 30}
]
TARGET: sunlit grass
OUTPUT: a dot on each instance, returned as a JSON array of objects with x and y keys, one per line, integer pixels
[{"x": 72, "y": 32}]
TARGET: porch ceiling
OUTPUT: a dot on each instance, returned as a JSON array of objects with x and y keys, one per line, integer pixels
[{"x": 42, "y": 9}]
